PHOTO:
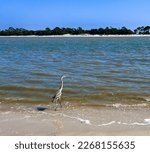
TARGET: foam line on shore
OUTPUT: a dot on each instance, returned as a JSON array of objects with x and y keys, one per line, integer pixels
[
  {"x": 147, "y": 120},
  {"x": 134, "y": 123},
  {"x": 88, "y": 122},
  {"x": 105, "y": 124},
  {"x": 119, "y": 105},
  {"x": 78, "y": 118}
]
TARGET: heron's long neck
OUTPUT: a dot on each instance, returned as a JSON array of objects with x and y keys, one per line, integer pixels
[{"x": 61, "y": 87}]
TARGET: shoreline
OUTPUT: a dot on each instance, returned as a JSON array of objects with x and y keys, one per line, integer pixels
[
  {"x": 80, "y": 121},
  {"x": 74, "y": 36}
]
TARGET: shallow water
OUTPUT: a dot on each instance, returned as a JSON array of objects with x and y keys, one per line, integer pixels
[{"x": 105, "y": 71}]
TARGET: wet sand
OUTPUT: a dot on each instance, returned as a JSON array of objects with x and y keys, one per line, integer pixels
[{"x": 76, "y": 121}]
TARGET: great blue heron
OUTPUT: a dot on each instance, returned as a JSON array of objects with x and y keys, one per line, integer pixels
[{"x": 57, "y": 96}]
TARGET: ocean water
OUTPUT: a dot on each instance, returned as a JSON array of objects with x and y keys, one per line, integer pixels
[{"x": 104, "y": 71}]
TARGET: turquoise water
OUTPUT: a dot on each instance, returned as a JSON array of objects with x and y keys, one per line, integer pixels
[{"x": 104, "y": 70}]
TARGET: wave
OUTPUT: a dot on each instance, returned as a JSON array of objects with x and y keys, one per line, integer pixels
[
  {"x": 22, "y": 101},
  {"x": 44, "y": 74},
  {"x": 69, "y": 103},
  {"x": 25, "y": 88},
  {"x": 119, "y": 105},
  {"x": 36, "y": 89},
  {"x": 34, "y": 81},
  {"x": 30, "y": 94}
]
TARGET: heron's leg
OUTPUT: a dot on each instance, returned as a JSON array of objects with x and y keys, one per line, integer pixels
[
  {"x": 56, "y": 100},
  {"x": 59, "y": 100}
]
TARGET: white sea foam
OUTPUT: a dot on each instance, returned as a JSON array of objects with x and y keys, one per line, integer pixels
[
  {"x": 137, "y": 123},
  {"x": 105, "y": 124},
  {"x": 78, "y": 118},
  {"x": 147, "y": 99},
  {"x": 88, "y": 122},
  {"x": 147, "y": 120},
  {"x": 118, "y": 105},
  {"x": 5, "y": 113}
]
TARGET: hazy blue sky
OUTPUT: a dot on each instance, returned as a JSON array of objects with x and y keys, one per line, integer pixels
[{"x": 39, "y": 14}]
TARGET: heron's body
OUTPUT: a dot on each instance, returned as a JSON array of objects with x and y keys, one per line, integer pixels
[{"x": 57, "y": 96}]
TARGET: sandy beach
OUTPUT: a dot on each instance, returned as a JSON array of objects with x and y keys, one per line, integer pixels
[{"x": 75, "y": 121}]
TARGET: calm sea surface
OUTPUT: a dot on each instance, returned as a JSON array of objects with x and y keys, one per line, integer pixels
[{"x": 104, "y": 71}]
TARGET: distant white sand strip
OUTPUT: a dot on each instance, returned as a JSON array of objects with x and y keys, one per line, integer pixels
[{"x": 84, "y": 35}]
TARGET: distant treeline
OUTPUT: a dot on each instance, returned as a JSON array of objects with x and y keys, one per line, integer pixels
[{"x": 75, "y": 31}]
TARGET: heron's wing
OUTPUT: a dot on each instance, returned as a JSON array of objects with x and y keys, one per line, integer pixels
[
  {"x": 53, "y": 98},
  {"x": 57, "y": 95}
]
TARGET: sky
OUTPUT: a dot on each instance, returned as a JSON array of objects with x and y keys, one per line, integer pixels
[{"x": 88, "y": 14}]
